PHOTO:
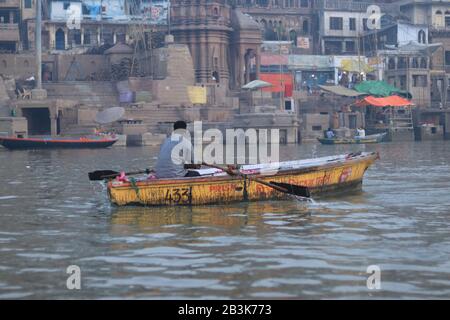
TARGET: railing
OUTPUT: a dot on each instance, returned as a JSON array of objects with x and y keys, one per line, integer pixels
[
  {"x": 346, "y": 5},
  {"x": 439, "y": 28},
  {"x": 349, "y": 5},
  {"x": 9, "y": 26},
  {"x": 9, "y": 3}
]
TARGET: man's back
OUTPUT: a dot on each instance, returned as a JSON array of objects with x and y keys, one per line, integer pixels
[
  {"x": 330, "y": 134},
  {"x": 174, "y": 153}
]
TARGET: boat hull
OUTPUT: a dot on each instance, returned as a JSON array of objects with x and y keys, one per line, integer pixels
[
  {"x": 19, "y": 143},
  {"x": 376, "y": 138},
  {"x": 326, "y": 179}
]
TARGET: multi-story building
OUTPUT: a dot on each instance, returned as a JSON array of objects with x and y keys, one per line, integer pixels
[
  {"x": 435, "y": 14},
  {"x": 282, "y": 20},
  {"x": 73, "y": 24},
  {"x": 10, "y": 25},
  {"x": 342, "y": 23}
]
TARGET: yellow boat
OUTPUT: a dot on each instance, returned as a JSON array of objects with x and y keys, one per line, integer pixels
[{"x": 321, "y": 175}]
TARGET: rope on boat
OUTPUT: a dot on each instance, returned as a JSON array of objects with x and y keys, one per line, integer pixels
[{"x": 135, "y": 188}]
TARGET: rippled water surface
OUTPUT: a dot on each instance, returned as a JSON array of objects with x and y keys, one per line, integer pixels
[{"x": 51, "y": 217}]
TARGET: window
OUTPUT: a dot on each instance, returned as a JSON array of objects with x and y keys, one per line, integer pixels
[
  {"x": 403, "y": 82},
  {"x": 76, "y": 37},
  {"x": 336, "y": 23},
  {"x": 316, "y": 128},
  {"x": 447, "y": 21},
  {"x": 402, "y": 63},
  {"x": 262, "y": 3},
  {"x": 87, "y": 37},
  {"x": 391, "y": 64},
  {"x": 28, "y": 4},
  {"x": 352, "y": 24},
  {"x": 447, "y": 58},
  {"x": 120, "y": 38},
  {"x": 333, "y": 47},
  {"x": 350, "y": 46},
  {"x": 352, "y": 121},
  {"x": 423, "y": 63},
  {"x": 305, "y": 27},
  {"x": 66, "y": 5},
  {"x": 365, "y": 25},
  {"x": 419, "y": 81},
  {"x": 304, "y": 4},
  {"x": 84, "y": 10}
]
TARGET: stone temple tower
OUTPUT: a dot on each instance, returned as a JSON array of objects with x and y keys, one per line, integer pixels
[{"x": 210, "y": 29}]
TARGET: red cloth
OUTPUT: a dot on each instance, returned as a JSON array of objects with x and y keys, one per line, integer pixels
[
  {"x": 278, "y": 81},
  {"x": 392, "y": 101},
  {"x": 288, "y": 88}
]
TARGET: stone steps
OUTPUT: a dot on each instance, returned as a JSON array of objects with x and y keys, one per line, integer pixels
[
  {"x": 89, "y": 93},
  {"x": 5, "y": 112}
]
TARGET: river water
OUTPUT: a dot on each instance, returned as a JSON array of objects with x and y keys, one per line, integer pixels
[{"x": 52, "y": 217}]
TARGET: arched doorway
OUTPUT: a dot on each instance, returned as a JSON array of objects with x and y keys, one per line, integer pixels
[
  {"x": 422, "y": 37},
  {"x": 439, "y": 19},
  {"x": 60, "y": 41},
  {"x": 305, "y": 26},
  {"x": 293, "y": 37},
  {"x": 248, "y": 76}
]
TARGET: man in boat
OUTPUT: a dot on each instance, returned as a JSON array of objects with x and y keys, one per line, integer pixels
[
  {"x": 329, "y": 134},
  {"x": 360, "y": 132},
  {"x": 171, "y": 162}
]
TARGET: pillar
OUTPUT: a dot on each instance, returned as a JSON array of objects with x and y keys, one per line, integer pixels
[
  {"x": 53, "y": 120},
  {"x": 38, "y": 32},
  {"x": 258, "y": 62},
  {"x": 66, "y": 38}
]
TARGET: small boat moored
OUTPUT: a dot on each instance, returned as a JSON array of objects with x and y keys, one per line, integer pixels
[
  {"x": 321, "y": 176},
  {"x": 56, "y": 143},
  {"x": 374, "y": 138}
]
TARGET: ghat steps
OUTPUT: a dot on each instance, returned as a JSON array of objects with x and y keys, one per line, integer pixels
[{"x": 89, "y": 93}]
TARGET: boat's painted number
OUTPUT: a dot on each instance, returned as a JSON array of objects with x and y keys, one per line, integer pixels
[{"x": 178, "y": 195}]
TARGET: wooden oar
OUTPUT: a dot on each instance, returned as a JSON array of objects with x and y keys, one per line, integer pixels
[
  {"x": 100, "y": 175},
  {"x": 292, "y": 189}
]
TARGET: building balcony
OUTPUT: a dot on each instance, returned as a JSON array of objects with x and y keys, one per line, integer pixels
[
  {"x": 439, "y": 29},
  {"x": 349, "y": 5},
  {"x": 9, "y": 32},
  {"x": 341, "y": 5},
  {"x": 10, "y": 4},
  {"x": 277, "y": 11}
]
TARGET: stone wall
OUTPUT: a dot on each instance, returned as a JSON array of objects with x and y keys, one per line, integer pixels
[
  {"x": 180, "y": 73},
  {"x": 19, "y": 66},
  {"x": 62, "y": 66},
  {"x": 314, "y": 124},
  {"x": 13, "y": 126}
]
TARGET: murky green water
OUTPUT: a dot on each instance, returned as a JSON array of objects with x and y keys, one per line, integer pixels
[{"x": 51, "y": 217}]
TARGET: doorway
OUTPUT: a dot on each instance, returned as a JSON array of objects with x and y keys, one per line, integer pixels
[
  {"x": 38, "y": 121},
  {"x": 352, "y": 121},
  {"x": 60, "y": 41}
]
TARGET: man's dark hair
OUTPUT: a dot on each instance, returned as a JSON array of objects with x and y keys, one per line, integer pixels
[{"x": 179, "y": 125}]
